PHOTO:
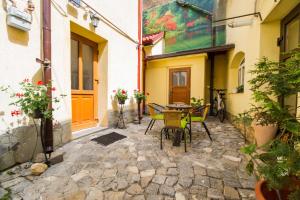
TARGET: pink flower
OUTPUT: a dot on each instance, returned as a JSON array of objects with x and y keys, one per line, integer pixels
[{"x": 114, "y": 91}]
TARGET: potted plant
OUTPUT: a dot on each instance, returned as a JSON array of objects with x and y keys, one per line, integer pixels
[
  {"x": 197, "y": 102},
  {"x": 240, "y": 89},
  {"x": 276, "y": 163},
  {"x": 121, "y": 96},
  {"x": 139, "y": 97},
  {"x": 33, "y": 99}
]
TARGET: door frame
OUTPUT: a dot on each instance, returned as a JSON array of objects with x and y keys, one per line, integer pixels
[
  {"x": 94, "y": 45},
  {"x": 171, "y": 70}
]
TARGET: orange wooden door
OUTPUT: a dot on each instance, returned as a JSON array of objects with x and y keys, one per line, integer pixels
[
  {"x": 179, "y": 85},
  {"x": 84, "y": 82}
]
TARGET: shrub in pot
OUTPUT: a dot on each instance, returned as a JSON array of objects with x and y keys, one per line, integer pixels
[{"x": 276, "y": 163}]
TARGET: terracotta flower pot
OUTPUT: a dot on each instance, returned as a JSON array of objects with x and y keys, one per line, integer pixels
[
  {"x": 263, "y": 193},
  {"x": 263, "y": 134}
]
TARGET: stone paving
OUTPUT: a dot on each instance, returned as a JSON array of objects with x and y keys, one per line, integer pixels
[{"x": 135, "y": 168}]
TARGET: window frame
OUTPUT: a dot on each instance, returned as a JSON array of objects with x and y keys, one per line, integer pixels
[{"x": 241, "y": 73}]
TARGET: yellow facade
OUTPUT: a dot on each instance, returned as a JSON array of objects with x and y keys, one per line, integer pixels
[{"x": 157, "y": 77}]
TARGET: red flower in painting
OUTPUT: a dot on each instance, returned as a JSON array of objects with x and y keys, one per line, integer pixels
[
  {"x": 190, "y": 24},
  {"x": 40, "y": 83}
]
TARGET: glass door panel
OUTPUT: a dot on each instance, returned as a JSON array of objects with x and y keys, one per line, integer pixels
[
  {"x": 74, "y": 65},
  {"x": 87, "y": 62}
]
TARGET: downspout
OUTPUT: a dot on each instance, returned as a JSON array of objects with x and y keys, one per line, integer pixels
[
  {"x": 48, "y": 128},
  {"x": 140, "y": 8}
]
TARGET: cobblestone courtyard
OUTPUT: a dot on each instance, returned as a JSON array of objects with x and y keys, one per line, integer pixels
[{"x": 136, "y": 168}]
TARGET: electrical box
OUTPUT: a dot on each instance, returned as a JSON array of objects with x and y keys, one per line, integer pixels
[
  {"x": 18, "y": 18},
  {"x": 75, "y": 2}
]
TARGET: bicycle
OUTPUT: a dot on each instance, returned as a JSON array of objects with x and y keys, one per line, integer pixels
[{"x": 219, "y": 107}]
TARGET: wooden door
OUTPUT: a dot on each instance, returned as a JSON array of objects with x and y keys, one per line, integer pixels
[
  {"x": 179, "y": 85},
  {"x": 84, "y": 82}
]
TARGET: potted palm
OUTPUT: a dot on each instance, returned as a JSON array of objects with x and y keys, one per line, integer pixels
[{"x": 277, "y": 162}]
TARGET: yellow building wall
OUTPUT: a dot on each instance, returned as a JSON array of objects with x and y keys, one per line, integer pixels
[
  {"x": 254, "y": 41},
  {"x": 157, "y": 77}
]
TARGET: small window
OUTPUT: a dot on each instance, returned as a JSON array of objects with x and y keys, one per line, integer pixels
[{"x": 241, "y": 75}]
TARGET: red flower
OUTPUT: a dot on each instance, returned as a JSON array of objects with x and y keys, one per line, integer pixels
[
  {"x": 53, "y": 89},
  {"x": 114, "y": 91},
  {"x": 15, "y": 113},
  {"x": 19, "y": 95},
  {"x": 123, "y": 92},
  {"x": 40, "y": 83}
]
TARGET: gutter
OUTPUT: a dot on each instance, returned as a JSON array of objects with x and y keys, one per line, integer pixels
[
  {"x": 48, "y": 127},
  {"x": 140, "y": 10}
]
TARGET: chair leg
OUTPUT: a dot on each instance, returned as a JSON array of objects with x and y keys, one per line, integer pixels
[
  {"x": 148, "y": 126},
  {"x": 152, "y": 124},
  {"x": 207, "y": 131},
  {"x": 161, "y": 135}
]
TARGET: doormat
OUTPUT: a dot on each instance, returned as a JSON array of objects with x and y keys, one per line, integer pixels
[{"x": 108, "y": 138}]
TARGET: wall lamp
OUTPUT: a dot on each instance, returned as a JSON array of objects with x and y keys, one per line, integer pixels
[{"x": 94, "y": 20}]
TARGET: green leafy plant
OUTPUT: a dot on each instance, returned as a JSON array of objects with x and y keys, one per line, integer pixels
[
  {"x": 240, "y": 89},
  {"x": 139, "y": 95},
  {"x": 32, "y": 99},
  {"x": 279, "y": 162},
  {"x": 196, "y": 103},
  {"x": 121, "y": 95}
]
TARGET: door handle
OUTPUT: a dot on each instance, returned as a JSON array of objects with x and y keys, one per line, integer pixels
[{"x": 97, "y": 81}]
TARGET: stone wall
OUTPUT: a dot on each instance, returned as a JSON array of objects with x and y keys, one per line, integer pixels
[
  {"x": 21, "y": 144},
  {"x": 248, "y": 134}
]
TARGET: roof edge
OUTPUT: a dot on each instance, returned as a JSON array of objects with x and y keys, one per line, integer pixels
[{"x": 215, "y": 49}]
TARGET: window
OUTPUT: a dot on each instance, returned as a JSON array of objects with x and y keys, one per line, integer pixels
[{"x": 241, "y": 74}]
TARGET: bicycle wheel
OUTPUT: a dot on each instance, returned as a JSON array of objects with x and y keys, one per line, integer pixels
[
  {"x": 215, "y": 108},
  {"x": 222, "y": 112}
]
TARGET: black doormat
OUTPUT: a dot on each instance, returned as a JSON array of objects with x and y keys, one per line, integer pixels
[{"x": 109, "y": 138}]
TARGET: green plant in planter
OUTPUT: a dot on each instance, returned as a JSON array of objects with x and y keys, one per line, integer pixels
[
  {"x": 196, "y": 103},
  {"x": 240, "y": 89},
  {"x": 279, "y": 164},
  {"x": 33, "y": 99},
  {"x": 121, "y": 95},
  {"x": 139, "y": 96}
]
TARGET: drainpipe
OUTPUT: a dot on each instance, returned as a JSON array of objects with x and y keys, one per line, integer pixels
[
  {"x": 140, "y": 8},
  {"x": 48, "y": 128}
]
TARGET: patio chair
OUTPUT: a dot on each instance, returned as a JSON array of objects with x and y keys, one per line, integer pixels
[
  {"x": 200, "y": 115},
  {"x": 155, "y": 114},
  {"x": 173, "y": 121}
]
